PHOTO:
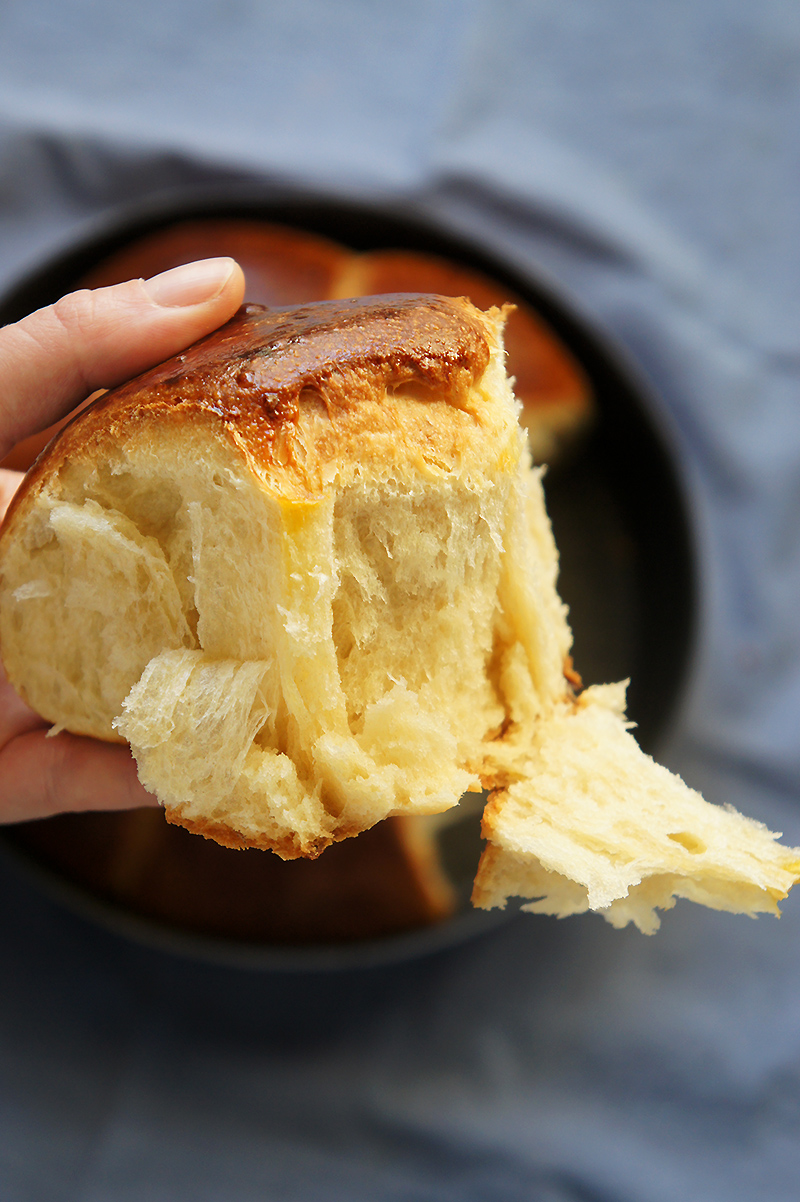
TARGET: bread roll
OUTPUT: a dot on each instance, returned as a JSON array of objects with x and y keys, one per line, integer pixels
[
  {"x": 273, "y": 565},
  {"x": 282, "y": 265},
  {"x": 305, "y": 569},
  {"x": 389, "y": 881}
]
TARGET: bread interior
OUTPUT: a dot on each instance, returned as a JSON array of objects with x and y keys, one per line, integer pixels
[
  {"x": 294, "y": 671},
  {"x": 305, "y": 628}
]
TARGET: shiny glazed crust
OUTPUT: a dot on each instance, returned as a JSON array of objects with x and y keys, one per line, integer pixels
[{"x": 266, "y": 370}]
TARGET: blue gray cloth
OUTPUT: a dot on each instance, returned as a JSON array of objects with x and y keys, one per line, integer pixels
[{"x": 647, "y": 158}]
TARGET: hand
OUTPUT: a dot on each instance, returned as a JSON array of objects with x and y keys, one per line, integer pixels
[{"x": 50, "y": 362}]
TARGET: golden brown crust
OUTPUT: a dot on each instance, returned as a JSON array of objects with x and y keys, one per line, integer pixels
[
  {"x": 256, "y": 376},
  {"x": 288, "y": 848},
  {"x": 287, "y": 266},
  {"x": 282, "y": 266},
  {"x": 544, "y": 372},
  {"x": 491, "y": 859},
  {"x": 258, "y": 365}
]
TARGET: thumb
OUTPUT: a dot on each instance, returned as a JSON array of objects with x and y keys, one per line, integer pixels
[{"x": 53, "y": 359}]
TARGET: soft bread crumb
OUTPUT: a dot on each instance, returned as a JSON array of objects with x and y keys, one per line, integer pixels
[
  {"x": 308, "y": 611},
  {"x": 562, "y": 837}
]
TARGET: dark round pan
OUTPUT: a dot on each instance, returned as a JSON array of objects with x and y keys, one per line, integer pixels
[{"x": 619, "y": 511}]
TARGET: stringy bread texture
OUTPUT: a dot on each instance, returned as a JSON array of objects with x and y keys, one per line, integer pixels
[
  {"x": 292, "y": 667},
  {"x": 563, "y": 834}
]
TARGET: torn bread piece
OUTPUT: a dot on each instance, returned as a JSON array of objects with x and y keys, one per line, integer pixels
[
  {"x": 305, "y": 569},
  {"x": 595, "y": 824}
]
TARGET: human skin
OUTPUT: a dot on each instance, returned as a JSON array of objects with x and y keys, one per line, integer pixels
[{"x": 49, "y": 363}]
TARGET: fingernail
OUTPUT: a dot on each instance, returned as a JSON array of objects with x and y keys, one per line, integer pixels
[{"x": 191, "y": 284}]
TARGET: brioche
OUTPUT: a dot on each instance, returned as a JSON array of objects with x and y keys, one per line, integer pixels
[{"x": 305, "y": 569}]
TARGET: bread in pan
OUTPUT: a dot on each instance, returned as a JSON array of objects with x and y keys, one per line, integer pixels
[
  {"x": 282, "y": 265},
  {"x": 385, "y": 882},
  {"x": 557, "y": 406},
  {"x": 305, "y": 569}
]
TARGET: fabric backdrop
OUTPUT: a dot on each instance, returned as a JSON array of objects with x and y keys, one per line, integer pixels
[{"x": 647, "y": 158}]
